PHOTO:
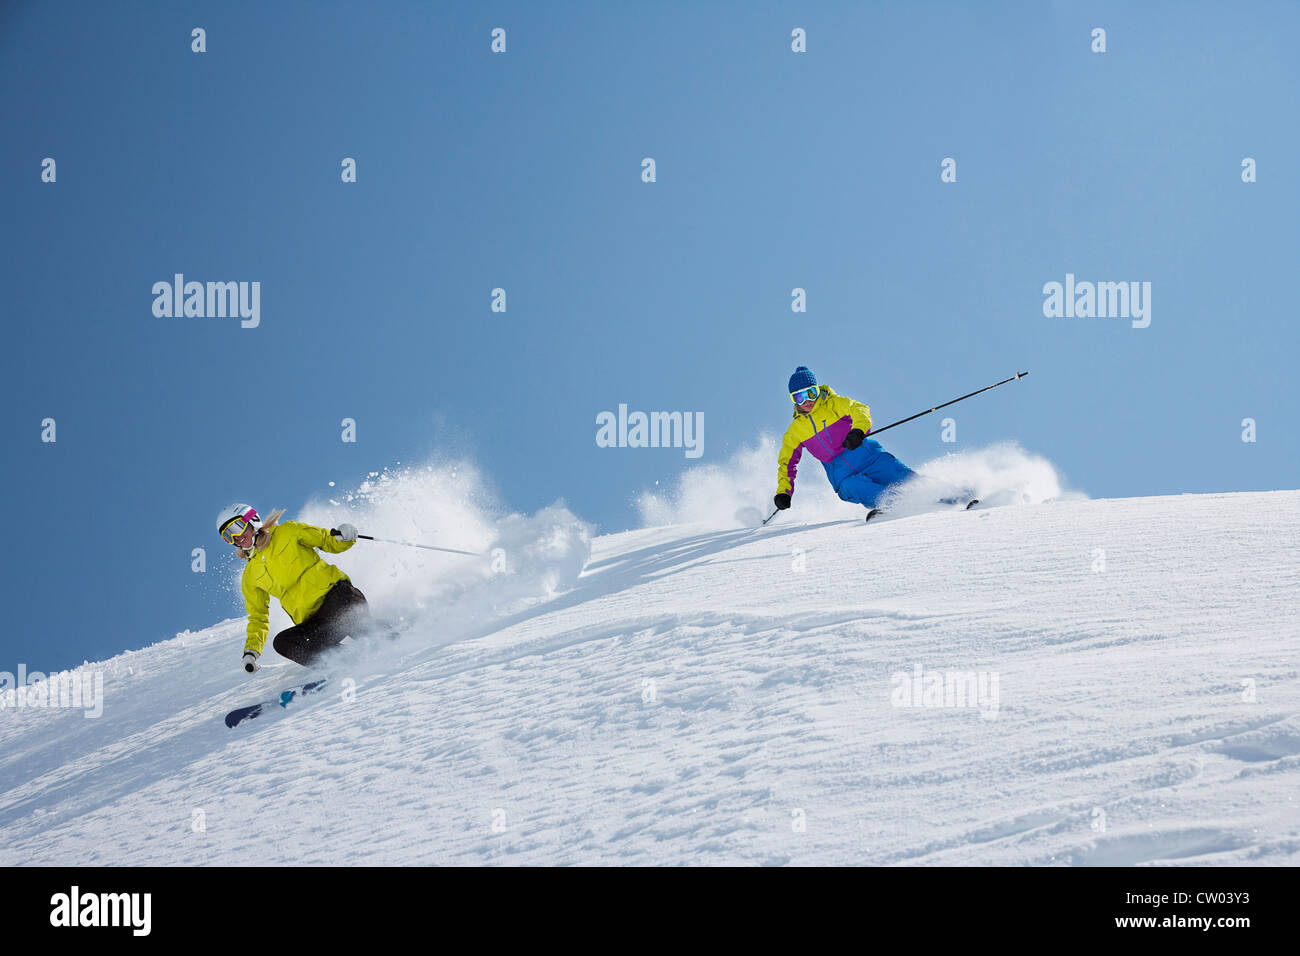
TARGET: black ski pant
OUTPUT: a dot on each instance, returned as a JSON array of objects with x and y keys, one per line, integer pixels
[{"x": 343, "y": 611}]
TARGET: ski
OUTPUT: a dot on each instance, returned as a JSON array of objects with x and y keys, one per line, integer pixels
[
  {"x": 238, "y": 716},
  {"x": 966, "y": 507}
]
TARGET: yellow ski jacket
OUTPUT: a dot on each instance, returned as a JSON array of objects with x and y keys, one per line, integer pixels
[
  {"x": 821, "y": 432},
  {"x": 290, "y": 569}
]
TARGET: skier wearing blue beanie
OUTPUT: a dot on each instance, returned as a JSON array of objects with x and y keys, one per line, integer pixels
[{"x": 833, "y": 429}]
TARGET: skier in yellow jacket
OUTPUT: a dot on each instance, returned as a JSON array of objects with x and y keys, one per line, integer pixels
[
  {"x": 833, "y": 428},
  {"x": 282, "y": 562}
]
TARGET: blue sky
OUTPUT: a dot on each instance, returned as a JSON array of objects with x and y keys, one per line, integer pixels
[{"x": 522, "y": 170}]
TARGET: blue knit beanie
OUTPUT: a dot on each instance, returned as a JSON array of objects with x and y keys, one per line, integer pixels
[{"x": 802, "y": 378}]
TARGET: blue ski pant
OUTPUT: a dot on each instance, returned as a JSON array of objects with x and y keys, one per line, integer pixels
[{"x": 862, "y": 474}]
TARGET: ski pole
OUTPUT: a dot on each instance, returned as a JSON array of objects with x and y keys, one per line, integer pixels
[
  {"x": 409, "y": 544},
  {"x": 770, "y": 517},
  {"x": 876, "y": 431}
]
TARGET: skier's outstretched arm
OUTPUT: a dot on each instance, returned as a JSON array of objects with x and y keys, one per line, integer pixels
[{"x": 320, "y": 538}]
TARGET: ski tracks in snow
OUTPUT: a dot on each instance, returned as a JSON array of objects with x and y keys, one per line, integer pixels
[{"x": 703, "y": 696}]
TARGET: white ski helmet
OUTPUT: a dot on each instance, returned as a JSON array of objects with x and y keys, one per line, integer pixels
[{"x": 233, "y": 519}]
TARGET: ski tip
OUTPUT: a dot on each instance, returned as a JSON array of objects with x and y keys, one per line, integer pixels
[
  {"x": 237, "y": 717},
  {"x": 871, "y": 514},
  {"x": 972, "y": 503}
]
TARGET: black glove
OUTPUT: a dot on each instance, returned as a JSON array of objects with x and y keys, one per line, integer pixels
[
  {"x": 854, "y": 438},
  {"x": 782, "y": 501}
]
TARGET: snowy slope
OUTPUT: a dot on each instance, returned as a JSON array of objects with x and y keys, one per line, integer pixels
[{"x": 695, "y": 697}]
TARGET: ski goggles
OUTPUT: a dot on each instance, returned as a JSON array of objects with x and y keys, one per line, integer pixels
[
  {"x": 804, "y": 394},
  {"x": 233, "y": 528}
]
